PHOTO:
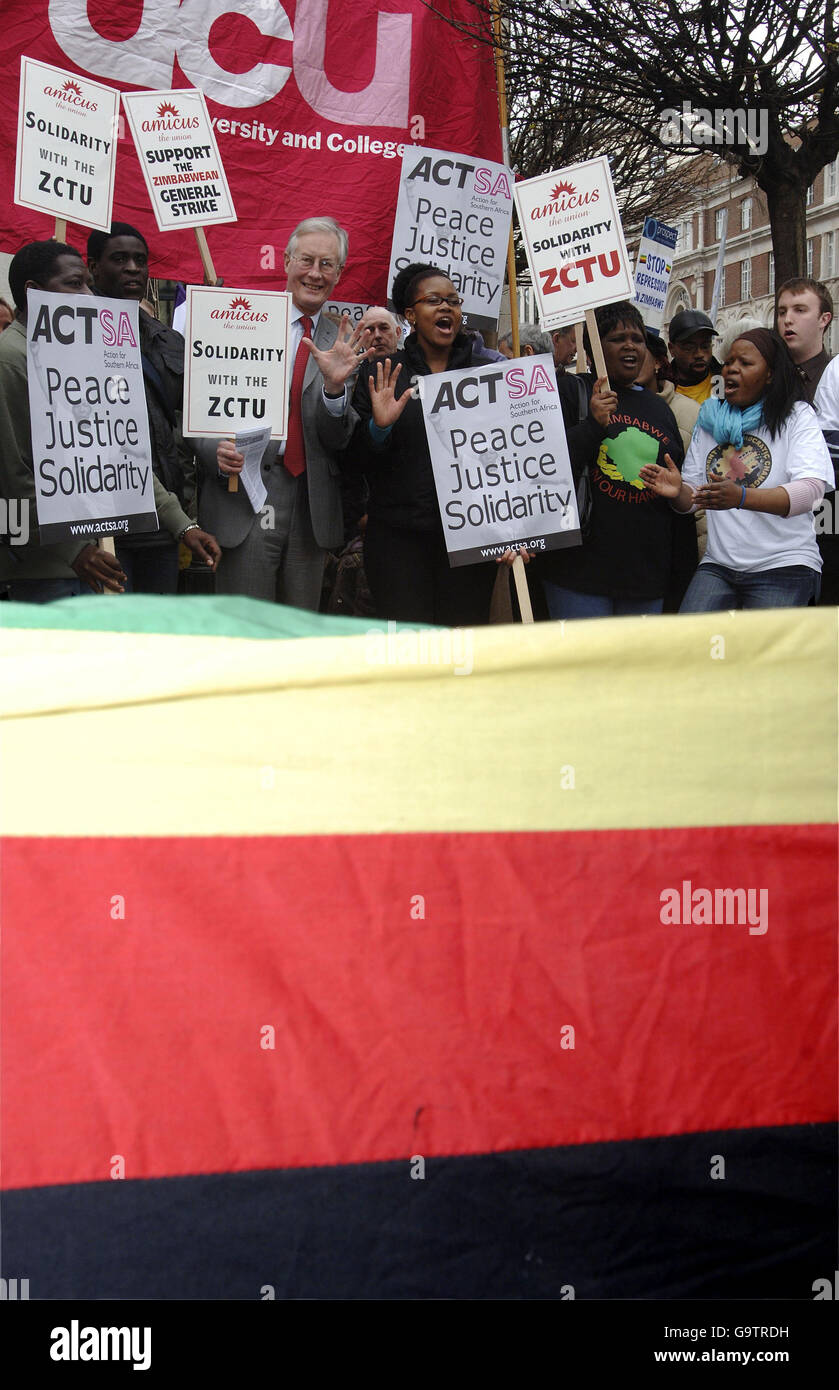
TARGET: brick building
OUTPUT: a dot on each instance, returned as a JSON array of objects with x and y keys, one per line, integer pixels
[
  {"x": 749, "y": 281},
  {"x": 748, "y": 285}
]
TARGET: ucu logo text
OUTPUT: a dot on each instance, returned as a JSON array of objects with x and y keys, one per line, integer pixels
[{"x": 171, "y": 29}]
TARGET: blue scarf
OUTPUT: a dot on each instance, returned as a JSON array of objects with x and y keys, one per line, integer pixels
[{"x": 727, "y": 423}]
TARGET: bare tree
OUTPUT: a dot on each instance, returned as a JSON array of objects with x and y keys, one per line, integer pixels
[{"x": 586, "y": 78}]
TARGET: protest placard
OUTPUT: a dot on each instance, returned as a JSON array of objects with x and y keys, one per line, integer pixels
[
  {"x": 454, "y": 211},
  {"x": 66, "y": 145},
  {"x": 652, "y": 270},
  {"x": 90, "y": 425},
  {"x": 500, "y": 459},
  {"x": 178, "y": 154},
  {"x": 351, "y": 309},
  {"x": 235, "y": 361},
  {"x": 574, "y": 241},
  {"x": 354, "y": 312}
]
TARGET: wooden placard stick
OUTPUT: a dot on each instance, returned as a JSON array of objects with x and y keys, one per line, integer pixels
[
  {"x": 501, "y": 86},
  {"x": 582, "y": 364},
  {"x": 106, "y": 543},
  {"x": 211, "y": 279},
  {"x": 514, "y": 309},
  {"x": 596, "y": 348},
  {"x": 501, "y": 90},
  {"x": 206, "y": 258},
  {"x": 61, "y": 228},
  {"x": 522, "y": 590}
]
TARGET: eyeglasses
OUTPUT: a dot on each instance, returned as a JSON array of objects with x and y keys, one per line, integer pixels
[
  {"x": 308, "y": 262},
  {"x": 435, "y": 300}
]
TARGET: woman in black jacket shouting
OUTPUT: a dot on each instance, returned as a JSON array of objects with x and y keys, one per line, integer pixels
[{"x": 405, "y": 556}]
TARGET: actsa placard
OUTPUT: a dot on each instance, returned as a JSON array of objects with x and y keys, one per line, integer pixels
[
  {"x": 500, "y": 459},
  {"x": 90, "y": 423}
]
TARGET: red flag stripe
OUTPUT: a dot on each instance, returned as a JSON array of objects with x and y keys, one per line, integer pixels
[{"x": 420, "y": 989}]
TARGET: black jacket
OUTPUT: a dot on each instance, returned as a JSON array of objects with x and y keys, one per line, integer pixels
[{"x": 399, "y": 471}]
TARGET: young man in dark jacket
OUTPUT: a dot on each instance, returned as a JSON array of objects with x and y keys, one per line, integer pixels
[{"x": 119, "y": 265}]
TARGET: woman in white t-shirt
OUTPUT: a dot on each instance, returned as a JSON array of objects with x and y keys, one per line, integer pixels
[{"x": 758, "y": 464}]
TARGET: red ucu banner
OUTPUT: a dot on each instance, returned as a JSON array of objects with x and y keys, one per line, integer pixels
[{"x": 312, "y": 104}]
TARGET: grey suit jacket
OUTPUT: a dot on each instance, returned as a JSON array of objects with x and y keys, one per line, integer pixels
[{"x": 229, "y": 515}]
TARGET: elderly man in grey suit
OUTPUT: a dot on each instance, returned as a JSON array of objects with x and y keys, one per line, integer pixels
[{"x": 280, "y": 552}]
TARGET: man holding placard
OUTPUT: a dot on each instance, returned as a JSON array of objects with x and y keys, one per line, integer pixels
[
  {"x": 280, "y": 552},
  {"x": 40, "y": 572},
  {"x": 119, "y": 264}
]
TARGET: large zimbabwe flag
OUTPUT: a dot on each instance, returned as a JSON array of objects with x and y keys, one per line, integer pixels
[{"x": 345, "y": 962}]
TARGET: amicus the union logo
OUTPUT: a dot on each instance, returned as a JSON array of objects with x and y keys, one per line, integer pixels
[
  {"x": 564, "y": 198},
  {"x": 239, "y": 311},
  {"x": 71, "y": 93},
  {"x": 168, "y": 117}
]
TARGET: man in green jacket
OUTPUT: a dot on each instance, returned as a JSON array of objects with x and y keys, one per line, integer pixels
[{"x": 39, "y": 573}]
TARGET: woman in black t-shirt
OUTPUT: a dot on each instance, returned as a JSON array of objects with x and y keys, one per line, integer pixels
[{"x": 623, "y": 566}]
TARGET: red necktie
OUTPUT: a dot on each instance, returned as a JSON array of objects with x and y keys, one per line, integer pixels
[{"x": 294, "y": 457}]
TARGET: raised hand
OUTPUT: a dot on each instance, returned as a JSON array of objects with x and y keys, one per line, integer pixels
[
  {"x": 664, "y": 482},
  {"x": 338, "y": 363},
  {"x": 387, "y": 407}
]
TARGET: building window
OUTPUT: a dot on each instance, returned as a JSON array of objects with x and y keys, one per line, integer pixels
[
  {"x": 686, "y": 235},
  {"x": 827, "y": 255},
  {"x": 831, "y": 174},
  {"x": 745, "y": 279},
  {"x": 745, "y": 214},
  {"x": 771, "y": 272},
  {"x": 719, "y": 223},
  {"x": 810, "y": 244},
  {"x": 811, "y": 193}
]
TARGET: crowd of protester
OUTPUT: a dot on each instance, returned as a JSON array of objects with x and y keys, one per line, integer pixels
[{"x": 698, "y": 477}]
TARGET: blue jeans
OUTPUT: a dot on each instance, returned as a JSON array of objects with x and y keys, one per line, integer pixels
[
  {"x": 715, "y": 588},
  {"x": 569, "y": 603},
  {"x": 45, "y": 590}
]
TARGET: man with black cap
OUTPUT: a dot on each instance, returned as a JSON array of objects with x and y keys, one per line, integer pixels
[
  {"x": 690, "y": 336},
  {"x": 118, "y": 261}
]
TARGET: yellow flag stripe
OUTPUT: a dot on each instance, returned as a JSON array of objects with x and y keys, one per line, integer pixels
[{"x": 721, "y": 719}]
